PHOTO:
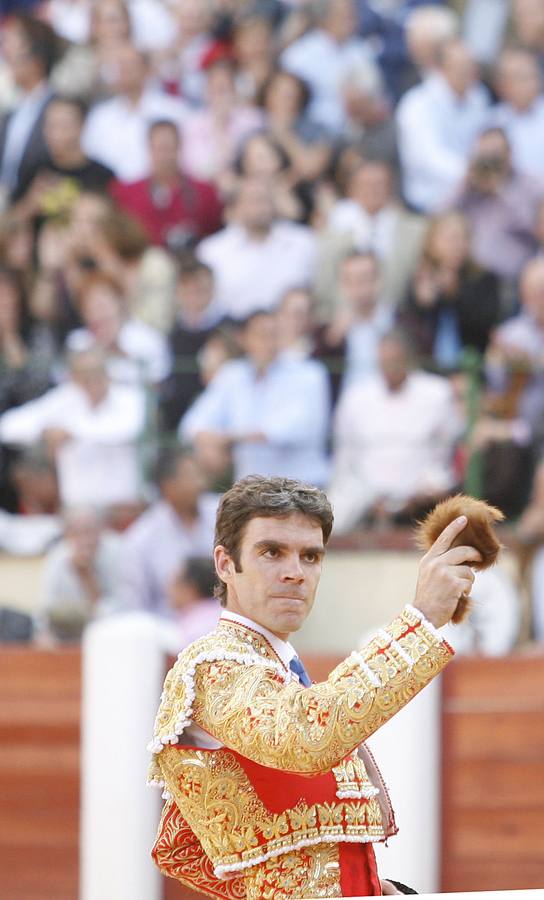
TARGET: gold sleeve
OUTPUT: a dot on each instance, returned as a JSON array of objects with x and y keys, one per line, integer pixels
[{"x": 309, "y": 730}]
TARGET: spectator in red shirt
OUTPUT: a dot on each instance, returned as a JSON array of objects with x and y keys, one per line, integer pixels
[{"x": 175, "y": 210}]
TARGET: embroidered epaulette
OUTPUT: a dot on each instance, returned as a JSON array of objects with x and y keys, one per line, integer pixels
[{"x": 226, "y": 642}]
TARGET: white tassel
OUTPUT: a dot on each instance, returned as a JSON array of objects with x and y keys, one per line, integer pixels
[
  {"x": 362, "y": 794},
  {"x": 426, "y": 624},
  {"x": 372, "y": 677}
]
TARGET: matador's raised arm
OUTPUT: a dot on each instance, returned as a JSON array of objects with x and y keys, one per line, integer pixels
[{"x": 251, "y": 705}]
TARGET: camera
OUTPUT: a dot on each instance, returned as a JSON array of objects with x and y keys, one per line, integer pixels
[{"x": 489, "y": 165}]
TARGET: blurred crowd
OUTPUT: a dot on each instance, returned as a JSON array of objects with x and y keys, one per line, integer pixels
[{"x": 289, "y": 237}]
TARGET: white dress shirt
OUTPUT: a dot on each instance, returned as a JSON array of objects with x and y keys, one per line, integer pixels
[
  {"x": 436, "y": 133},
  {"x": 289, "y": 404},
  {"x": 391, "y": 444},
  {"x": 325, "y": 64},
  {"x": 99, "y": 465},
  {"x": 362, "y": 342},
  {"x": 116, "y": 132},
  {"x": 525, "y": 131},
  {"x": 144, "y": 355},
  {"x": 254, "y": 274},
  {"x": 368, "y": 232},
  {"x": 283, "y": 649}
]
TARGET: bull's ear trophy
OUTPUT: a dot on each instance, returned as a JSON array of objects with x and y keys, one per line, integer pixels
[{"x": 479, "y": 533}]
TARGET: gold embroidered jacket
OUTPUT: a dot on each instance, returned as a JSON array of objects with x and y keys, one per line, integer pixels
[{"x": 231, "y": 683}]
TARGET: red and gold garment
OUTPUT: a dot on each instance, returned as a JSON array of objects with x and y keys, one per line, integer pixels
[{"x": 290, "y": 805}]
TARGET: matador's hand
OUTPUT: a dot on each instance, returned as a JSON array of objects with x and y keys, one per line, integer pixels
[{"x": 444, "y": 575}]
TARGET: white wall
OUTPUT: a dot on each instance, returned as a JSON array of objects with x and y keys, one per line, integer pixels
[
  {"x": 407, "y": 750},
  {"x": 123, "y": 672}
]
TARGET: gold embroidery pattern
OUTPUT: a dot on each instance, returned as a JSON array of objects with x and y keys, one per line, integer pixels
[
  {"x": 352, "y": 779},
  {"x": 310, "y": 872},
  {"x": 179, "y": 855},
  {"x": 243, "y": 649},
  {"x": 231, "y": 684},
  {"x": 310, "y": 730},
  {"x": 234, "y": 827}
]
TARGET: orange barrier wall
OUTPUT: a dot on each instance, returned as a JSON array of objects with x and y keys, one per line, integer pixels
[{"x": 493, "y": 773}]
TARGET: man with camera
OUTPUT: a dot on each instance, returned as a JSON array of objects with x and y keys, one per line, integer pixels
[{"x": 501, "y": 205}]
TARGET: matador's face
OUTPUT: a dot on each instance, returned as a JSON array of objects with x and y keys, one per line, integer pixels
[{"x": 279, "y": 571}]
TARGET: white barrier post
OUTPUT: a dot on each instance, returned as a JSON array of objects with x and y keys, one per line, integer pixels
[
  {"x": 123, "y": 671},
  {"x": 407, "y": 750}
]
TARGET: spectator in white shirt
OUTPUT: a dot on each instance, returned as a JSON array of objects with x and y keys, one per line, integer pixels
[
  {"x": 360, "y": 321},
  {"x": 266, "y": 412},
  {"x": 91, "y": 428},
  {"x": 80, "y": 576},
  {"x": 323, "y": 56},
  {"x": 521, "y": 113},
  {"x": 179, "y": 525},
  {"x": 371, "y": 218},
  {"x": 257, "y": 257},
  {"x": 368, "y": 211},
  {"x": 394, "y": 438},
  {"x": 427, "y": 29},
  {"x": 437, "y": 123},
  {"x": 136, "y": 353},
  {"x": 116, "y": 130}
]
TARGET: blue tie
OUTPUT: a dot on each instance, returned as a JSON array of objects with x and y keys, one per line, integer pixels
[{"x": 296, "y": 666}]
